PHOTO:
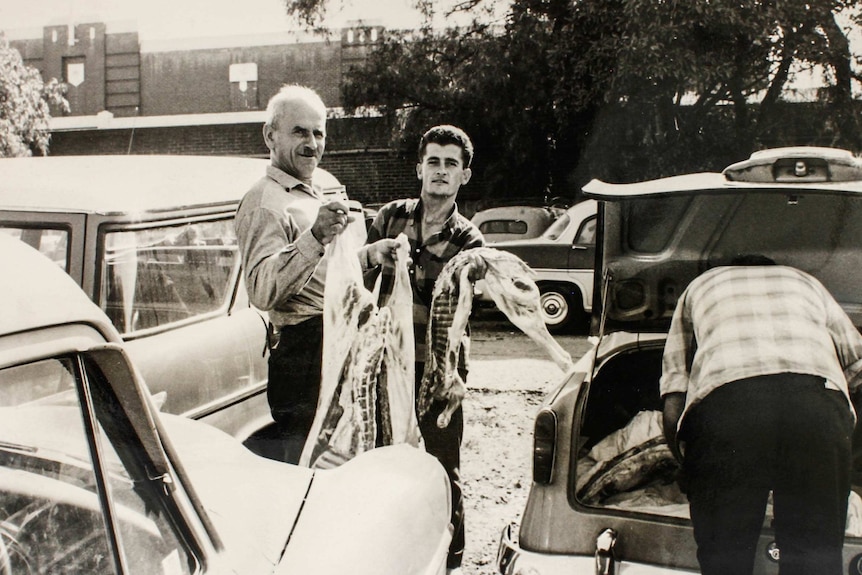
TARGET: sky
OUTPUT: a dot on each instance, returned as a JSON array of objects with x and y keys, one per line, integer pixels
[{"x": 174, "y": 19}]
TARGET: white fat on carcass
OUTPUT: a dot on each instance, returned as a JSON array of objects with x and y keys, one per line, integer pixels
[
  {"x": 508, "y": 280},
  {"x": 368, "y": 363}
]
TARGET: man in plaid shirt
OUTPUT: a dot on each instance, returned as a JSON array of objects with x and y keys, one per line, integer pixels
[
  {"x": 436, "y": 232},
  {"x": 759, "y": 368}
]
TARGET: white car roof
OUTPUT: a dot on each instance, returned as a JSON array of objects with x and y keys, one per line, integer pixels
[
  {"x": 35, "y": 293},
  {"x": 130, "y": 184}
]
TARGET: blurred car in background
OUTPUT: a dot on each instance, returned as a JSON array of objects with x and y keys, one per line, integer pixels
[
  {"x": 604, "y": 496},
  {"x": 150, "y": 239},
  {"x": 563, "y": 259},
  {"x": 93, "y": 479},
  {"x": 514, "y": 222}
]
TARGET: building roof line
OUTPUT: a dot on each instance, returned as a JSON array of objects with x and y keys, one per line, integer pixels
[{"x": 107, "y": 121}]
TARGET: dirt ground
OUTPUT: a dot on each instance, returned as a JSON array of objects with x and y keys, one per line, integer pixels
[{"x": 509, "y": 377}]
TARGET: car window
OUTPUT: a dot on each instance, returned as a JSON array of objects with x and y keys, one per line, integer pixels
[
  {"x": 503, "y": 227},
  {"x": 587, "y": 234},
  {"x": 653, "y": 221},
  {"x": 158, "y": 276},
  {"x": 52, "y": 518},
  {"x": 54, "y": 243},
  {"x": 557, "y": 228}
]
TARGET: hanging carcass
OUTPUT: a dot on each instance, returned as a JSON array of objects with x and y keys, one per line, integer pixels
[
  {"x": 368, "y": 363},
  {"x": 509, "y": 283}
]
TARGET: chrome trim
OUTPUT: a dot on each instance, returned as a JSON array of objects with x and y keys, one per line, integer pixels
[{"x": 606, "y": 563}]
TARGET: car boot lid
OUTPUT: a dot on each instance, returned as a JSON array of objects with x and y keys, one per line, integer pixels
[{"x": 797, "y": 206}]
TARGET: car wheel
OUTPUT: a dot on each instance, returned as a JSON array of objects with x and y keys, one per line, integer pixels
[{"x": 557, "y": 307}]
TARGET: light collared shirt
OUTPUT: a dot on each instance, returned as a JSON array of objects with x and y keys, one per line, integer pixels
[
  {"x": 283, "y": 263},
  {"x": 737, "y": 322}
]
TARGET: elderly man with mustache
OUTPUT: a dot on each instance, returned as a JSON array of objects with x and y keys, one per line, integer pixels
[{"x": 283, "y": 225}]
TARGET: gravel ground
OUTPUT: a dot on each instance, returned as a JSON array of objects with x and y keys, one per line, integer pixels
[{"x": 509, "y": 377}]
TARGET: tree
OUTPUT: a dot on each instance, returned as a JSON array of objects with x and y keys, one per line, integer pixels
[
  {"x": 465, "y": 76},
  {"x": 711, "y": 82},
  {"x": 566, "y": 90},
  {"x": 25, "y": 103}
]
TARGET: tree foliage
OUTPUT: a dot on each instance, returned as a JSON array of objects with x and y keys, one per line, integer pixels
[
  {"x": 25, "y": 104},
  {"x": 566, "y": 90}
]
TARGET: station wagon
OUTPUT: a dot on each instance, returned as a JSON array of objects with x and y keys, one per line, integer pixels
[
  {"x": 150, "y": 239},
  {"x": 604, "y": 496}
]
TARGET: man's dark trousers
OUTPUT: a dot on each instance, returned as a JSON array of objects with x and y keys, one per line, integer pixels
[
  {"x": 786, "y": 433},
  {"x": 445, "y": 445},
  {"x": 294, "y": 383}
]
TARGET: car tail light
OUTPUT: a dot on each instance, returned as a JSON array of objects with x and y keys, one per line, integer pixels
[{"x": 544, "y": 446}]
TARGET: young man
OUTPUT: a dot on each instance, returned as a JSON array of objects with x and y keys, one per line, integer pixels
[
  {"x": 436, "y": 232},
  {"x": 282, "y": 228}
]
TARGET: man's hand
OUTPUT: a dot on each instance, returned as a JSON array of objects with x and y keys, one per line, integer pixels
[
  {"x": 383, "y": 252},
  {"x": 674, "y": 403},
  {"x": 332, "y": 219}
]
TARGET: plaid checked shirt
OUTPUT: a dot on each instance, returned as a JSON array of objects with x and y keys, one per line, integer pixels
[
  {"x": 429, "y": 255},
  {"x": 733, "y": 323}
]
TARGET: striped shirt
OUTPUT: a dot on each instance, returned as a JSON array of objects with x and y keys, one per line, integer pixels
[
  {"x": 733, "y": 323},
  {"x": 429, "y": 255}
]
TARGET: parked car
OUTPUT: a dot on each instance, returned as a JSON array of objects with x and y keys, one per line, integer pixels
[
  {"x": 151, "y": 240},
  {"x": 604, "y": 497},
  {"x": 93, "y": 479},
  {"x": 563, "y": 259},
  {"x": 514, "y": 222}
]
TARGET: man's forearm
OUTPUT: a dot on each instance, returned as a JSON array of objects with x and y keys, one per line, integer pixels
[{"x": 674, "y": 404}]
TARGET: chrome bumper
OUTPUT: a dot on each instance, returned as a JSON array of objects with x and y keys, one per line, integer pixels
[{"x": 512, "y": 560}]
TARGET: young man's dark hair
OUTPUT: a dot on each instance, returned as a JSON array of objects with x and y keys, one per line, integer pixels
[{"x": 445, "y": 135}]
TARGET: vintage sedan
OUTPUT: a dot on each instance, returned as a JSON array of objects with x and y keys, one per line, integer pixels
[
  {"x": 604, "y": 496},
  {"x": 151, "y": 240},
  {"x": 93, "y": 479},
  {"x": 562, "y": 259},
  {"x": 503, "y": 223}
]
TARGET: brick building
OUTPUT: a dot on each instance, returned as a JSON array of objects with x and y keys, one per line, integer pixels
[{"x": 207, "y": 96}]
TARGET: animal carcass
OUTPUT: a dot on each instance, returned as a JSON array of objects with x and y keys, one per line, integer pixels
[
  {"x": 368, "y": 363},
  {"x": 509, "y": 282}
]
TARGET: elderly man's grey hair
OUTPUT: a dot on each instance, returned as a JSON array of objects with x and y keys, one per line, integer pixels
[{"x": 289, "y": 94}]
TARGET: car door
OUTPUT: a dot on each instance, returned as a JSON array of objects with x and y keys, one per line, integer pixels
[
  {"x": 582, "y": 255},
  {"x": 172, "y": 288}
]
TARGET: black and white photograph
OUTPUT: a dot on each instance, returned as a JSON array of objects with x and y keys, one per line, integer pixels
[{"x": 415, "y": 287}]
